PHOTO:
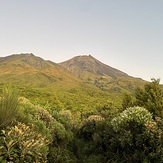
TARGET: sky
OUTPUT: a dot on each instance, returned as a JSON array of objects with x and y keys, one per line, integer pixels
[{"x": 124, "y": 34}]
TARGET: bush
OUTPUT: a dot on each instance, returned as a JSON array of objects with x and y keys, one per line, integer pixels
[
  {"x": 131, "y": 116},
  {"x": 9, "y": 106},
  {"x": 138, "y": 137},
  {"x": 22, "y": 144}
]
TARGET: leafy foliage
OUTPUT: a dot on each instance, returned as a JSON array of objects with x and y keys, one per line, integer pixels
[
  {"x": 22, "y": 143},
  {"x": 83, "y": 126},
  {"x": 9, "y": 106},
  {"x": 138, "y": 137},
  {"x": 127, "y": 101},
  {"x": 151, "y": 97},
  {"x": 130, "y": 116}
]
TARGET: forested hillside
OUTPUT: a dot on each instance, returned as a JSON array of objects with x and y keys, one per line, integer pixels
[{"x": 48, "y": 114}]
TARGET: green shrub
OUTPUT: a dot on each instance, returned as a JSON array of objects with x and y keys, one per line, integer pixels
[
  {"x": 22, "y": 143},
  {"x": 137, "y": 115},
  {"x": 60, "y": 155},
  {"x": 137, "y": 137},
  {"x": 9, "y": 106}
]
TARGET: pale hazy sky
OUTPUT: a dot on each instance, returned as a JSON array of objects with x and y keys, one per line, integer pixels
[{"x": 125, "y": 34}]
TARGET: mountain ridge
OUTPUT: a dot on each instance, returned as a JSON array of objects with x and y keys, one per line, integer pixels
[
  {"x": 92, "y": 65},
  {"x": 105, "y": 77},
  {"x": 30, "y": 70},
  {"x": 27, "y": 67},
  {"x": 48, "y": 83}
]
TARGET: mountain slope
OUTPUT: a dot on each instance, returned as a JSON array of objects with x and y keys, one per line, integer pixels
[
  {"x": 90, "y": 83},
  {"x": 101, "y": 75},
  {"x": 32, "y": 70},
  {"x": 38, "y": 79},
  {"x": 81, "y": 64}
]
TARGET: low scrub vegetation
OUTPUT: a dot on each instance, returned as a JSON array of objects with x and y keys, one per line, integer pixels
[{"x": 34, "y": 131}]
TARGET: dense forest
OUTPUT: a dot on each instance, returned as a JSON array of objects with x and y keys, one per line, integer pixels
[{"x": 130, "y": 130}]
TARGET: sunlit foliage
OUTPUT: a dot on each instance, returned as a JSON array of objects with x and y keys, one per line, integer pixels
[{"x": 9, "y": 106}]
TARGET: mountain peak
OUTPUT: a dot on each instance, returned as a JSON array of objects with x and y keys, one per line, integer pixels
[
  {"x": 25, "y": 60},
  {"x": 82, "y": 64},
  {"x": 30, "y": 69},
  {"x": 84, "y": 56}
]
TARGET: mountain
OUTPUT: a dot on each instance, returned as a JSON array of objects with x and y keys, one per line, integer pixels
[
  {"x": 91, "y": 70},
  {"x": 77, "y": 82},
  {"x": 41, "y": 80},
  {"x": 81, "y": 65},
  {"x": 32, "y": 71}
]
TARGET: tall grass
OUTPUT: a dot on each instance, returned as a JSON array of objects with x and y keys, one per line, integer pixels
[{"x": 9, "y": 105}]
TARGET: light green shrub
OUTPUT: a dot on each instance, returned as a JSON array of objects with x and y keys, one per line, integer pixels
[
  {"x": 22, "y": 144},
  {"x": 139, "y": 115},
  {"x": 9, "y": 106},
  {"x": 137, "y": 137}
]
